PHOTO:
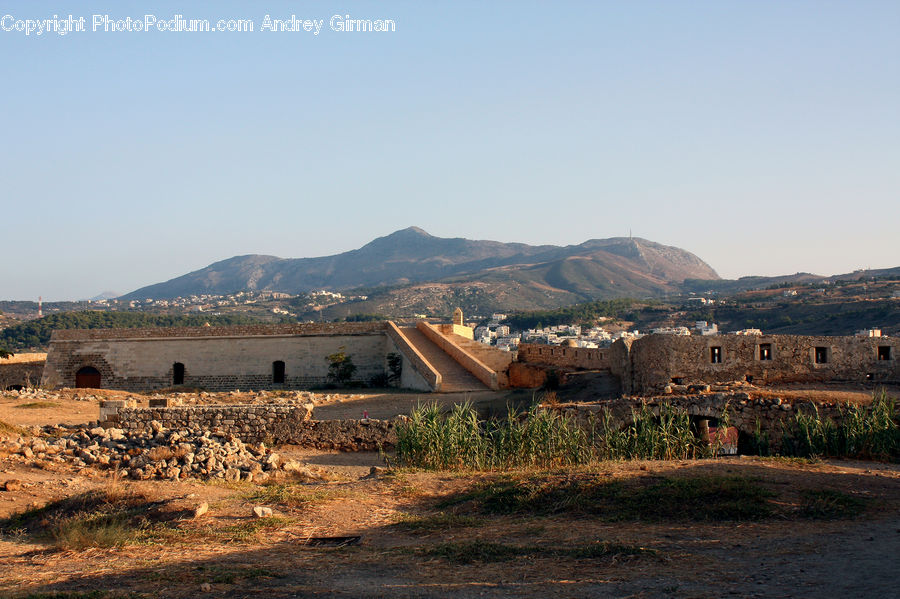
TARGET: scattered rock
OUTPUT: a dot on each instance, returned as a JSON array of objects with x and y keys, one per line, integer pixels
[
  {"x": 12, "y": 485},
  {"x": 201, "y": 509},
  {"x": 262, "y": 512}
]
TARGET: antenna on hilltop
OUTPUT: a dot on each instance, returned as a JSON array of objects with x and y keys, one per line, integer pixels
[
  {"x": 629, "y": 234},
  {"x": 40, "y": 306}
]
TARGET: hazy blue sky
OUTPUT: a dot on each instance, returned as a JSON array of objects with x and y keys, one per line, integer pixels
[{"x": 762, "y": 136}]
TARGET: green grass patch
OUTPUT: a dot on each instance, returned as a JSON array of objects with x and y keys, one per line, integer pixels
[
  {"x": 110, "y": 516},
  {"x": 435, "y": 522},
  {"x": 232, "y": 573},
  {"x": 295, "y": 494},
  {"x": 245, "y": 531},
  {"x": 106, "y": 517},
  {"x": 37, "y": 405},
  {"x": 702, "y": 498},
  {"x": 486, "y": 551},
  {"x": 82, "y": 595},
  {"x": 828, "y": 504}
]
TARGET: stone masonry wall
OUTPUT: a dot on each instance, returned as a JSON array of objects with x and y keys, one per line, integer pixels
[
  {"x": 656, "y": 361},
  {"x": 20, "y": 374},
  {"x": 261, "y": 423},
  {"x": 564, "y": 357},
  {"x": 744, "y": 411},
  {"x": 217, "y": 362}
]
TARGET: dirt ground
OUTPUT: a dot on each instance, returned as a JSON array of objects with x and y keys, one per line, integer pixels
[{"x": 238, "y": 555}]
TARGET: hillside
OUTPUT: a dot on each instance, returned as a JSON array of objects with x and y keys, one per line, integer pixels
[{"x": 614, "y": 267}]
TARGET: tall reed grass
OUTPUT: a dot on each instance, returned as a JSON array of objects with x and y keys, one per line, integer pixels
[
  {"x": 540, "y": 438},
  {"x": 868, "y": 432}
]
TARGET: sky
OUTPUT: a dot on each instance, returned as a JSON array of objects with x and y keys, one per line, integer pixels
[{"x": 764, "y": 136}]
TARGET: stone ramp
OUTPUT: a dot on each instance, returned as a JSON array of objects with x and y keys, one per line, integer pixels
[
  {"x": 495, "y": 359},
  {"x": 454, "y": 377}
]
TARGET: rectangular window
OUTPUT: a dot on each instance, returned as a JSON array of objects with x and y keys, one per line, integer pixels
[
  {"x": 821, "y": 355},
  {"x": 765, "y": 351},
  {"x": 715, "y": 355},
  {"x": 884, "y": 352}
]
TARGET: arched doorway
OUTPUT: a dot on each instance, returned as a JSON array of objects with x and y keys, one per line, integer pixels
[
  {"x": 87, "y": 378},
  {"x": 278, "y": 372}
]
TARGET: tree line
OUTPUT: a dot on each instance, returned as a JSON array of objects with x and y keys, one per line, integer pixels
[{"x": 584, "y": 314}]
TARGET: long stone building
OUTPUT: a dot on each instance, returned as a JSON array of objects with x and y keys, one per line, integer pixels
[
  {"x": 291, "y": 356},
  {"x": 646, "y": 366},
  {"x": 445, "y": 358}
]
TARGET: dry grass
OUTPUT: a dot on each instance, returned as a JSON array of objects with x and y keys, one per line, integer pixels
[
  {"x": 24, "y": 358},
  {"x": 816, "y": 395},
  {"x": 11, "y": 429},
  {"x": 296, "y": 495},
  {"x": 37, "y": 405}
]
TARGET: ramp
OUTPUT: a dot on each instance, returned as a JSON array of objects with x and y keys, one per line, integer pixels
[{"x": 454, "y": 378}]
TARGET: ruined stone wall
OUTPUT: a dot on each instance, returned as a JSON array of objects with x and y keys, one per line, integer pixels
[
  {"x": 261, "y": 423},
  {"x": 656, "y": 361},
  {"x": 564, "y": 357},
  {"x": 217, "y": 362},
  {"x": 744, "y": 412},
  {"x": 20, "y": 374}
]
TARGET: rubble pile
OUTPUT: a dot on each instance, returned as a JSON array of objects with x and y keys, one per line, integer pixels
[{"x": 156, "y": 453}]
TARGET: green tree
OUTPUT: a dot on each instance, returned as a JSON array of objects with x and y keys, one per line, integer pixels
[
  {"x": 5, "y": 353},
  {"x": 340, "y": 367}
]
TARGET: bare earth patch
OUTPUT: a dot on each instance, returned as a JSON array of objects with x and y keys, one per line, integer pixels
[{"x": 816, "y": 529}]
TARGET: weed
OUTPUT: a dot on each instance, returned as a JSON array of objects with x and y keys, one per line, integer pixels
[
  {"x": 477, "y": 551},
  {"x": 860, "y": 432},
  {"x": 485, "y": 551},
  {"x": 11, "y": 429},
  {"x": 828, "y": 504},
  {"x": 599, "y": 549},
  {"x": 295, "y": 495},
  {"x": 36, "y": 405},
  {"x": 702, "y": 498},
  {"x": 106, "y": 517},
  {"x": 231, "y": 573},
  {"x": 435, "y": 522},
  {"x": 539, "y": 438}
]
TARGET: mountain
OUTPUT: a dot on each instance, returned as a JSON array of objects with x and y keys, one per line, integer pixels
[
  {"x": 730, "y": 286},
  {"x": 597, "y": 268},
  {"x": 106, "y": 295}
]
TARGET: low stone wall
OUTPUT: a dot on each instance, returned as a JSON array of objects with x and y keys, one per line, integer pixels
[
  {"x": 744, "y": 411},
  {"x": 564, "y": 357},
  {"x": 19, "y": 375},
  {"x": 276, "y": 424},
  {"x": 464, "y": 358}
]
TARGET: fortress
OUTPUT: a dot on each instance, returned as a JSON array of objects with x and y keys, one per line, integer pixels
[{"x": 444, "y": 358}]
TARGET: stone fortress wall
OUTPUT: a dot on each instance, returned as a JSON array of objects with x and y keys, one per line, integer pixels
[
  {"x": 564, "y": 357},
  {"x": 657, "y": 361},
  {"x": 21, "y": 371},
  {"x": 224, "y": 358}
]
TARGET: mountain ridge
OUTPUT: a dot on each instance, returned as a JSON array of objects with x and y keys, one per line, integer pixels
[{"x": 595, "y": 268}]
